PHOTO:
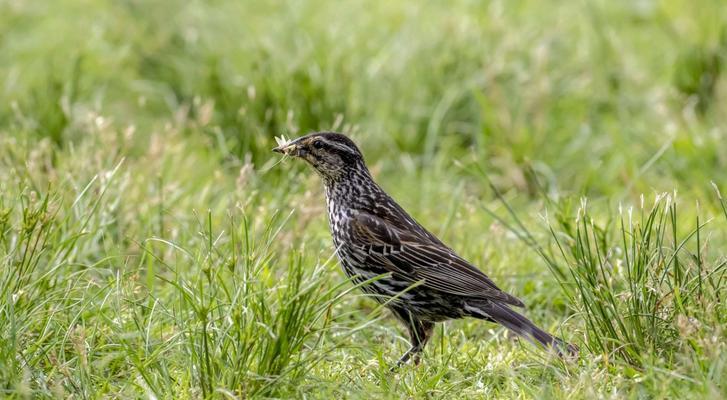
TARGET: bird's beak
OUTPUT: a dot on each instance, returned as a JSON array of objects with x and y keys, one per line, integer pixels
[
  {"x": 288, "y": 149},
  {"x": 291, "y": 148}
]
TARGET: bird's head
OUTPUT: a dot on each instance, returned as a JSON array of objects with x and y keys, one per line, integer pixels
[{"x": 333, "y": 155}]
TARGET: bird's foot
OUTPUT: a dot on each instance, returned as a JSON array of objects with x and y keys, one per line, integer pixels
[{"x": 413, "y": 353}]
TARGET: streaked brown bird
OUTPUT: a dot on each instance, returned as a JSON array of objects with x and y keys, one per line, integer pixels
[{"x": 398, "y": 261}]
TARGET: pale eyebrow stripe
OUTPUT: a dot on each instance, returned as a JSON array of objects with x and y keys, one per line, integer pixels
[{"x": 339, "y": 146}]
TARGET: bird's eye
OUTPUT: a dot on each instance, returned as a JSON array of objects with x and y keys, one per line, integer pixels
[{"x": 318, "y": 144}]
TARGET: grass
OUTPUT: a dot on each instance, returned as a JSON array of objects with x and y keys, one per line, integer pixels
[{"x": 151, "y": 245}]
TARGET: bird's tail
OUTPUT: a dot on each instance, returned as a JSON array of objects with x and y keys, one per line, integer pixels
[{"x": 520, "y": 325}]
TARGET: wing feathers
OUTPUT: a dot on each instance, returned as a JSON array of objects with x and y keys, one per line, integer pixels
[{"x": 418, "y": 258}]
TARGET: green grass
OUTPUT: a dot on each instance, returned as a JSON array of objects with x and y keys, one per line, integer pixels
[{"x": 151, "y": 245}]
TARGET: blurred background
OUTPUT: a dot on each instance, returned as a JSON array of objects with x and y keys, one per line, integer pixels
[{"x": 596, "y": 97}]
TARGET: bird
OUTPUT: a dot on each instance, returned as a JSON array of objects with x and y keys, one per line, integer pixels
[{"x": 395, "y": 259}]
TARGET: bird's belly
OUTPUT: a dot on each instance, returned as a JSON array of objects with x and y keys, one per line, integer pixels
[{"x": 393, "y": 291}]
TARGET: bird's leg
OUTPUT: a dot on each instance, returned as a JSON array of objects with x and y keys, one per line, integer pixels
[
  {"x": 419, "y": 338},
  {"x": 404, "y": 358},
  {"x": 419, "y": 334}
]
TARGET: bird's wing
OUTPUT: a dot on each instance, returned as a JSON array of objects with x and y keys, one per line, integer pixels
[{"x": 417, "y": 258}]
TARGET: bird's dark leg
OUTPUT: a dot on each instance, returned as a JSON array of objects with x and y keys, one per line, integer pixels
[{"x": 419, "y": 334}]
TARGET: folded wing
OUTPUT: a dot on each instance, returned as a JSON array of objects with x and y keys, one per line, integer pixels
[{"x": 416, "y": 258}]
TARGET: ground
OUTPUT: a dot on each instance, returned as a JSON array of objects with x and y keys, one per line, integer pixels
[{"x": 151, "y": 245}]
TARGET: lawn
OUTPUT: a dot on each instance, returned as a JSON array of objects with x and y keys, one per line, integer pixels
[{"x": 152, "y": 246}]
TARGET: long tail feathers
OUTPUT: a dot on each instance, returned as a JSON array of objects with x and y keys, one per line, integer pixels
[{"x": 520, "y": 325}]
